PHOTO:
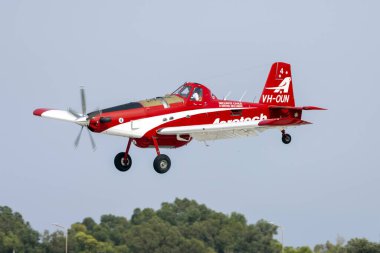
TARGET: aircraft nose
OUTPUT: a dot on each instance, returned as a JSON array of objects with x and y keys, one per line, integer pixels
[{"x": 94, "y": 124}]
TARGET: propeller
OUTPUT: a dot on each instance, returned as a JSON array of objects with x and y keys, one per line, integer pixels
[{"x": 82, "y": 119}]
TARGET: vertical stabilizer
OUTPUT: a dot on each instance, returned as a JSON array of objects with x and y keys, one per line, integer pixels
[{"x": 278, "y": 89}]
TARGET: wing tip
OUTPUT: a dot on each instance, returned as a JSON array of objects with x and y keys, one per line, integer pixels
[{"x": 40, "y": 111}]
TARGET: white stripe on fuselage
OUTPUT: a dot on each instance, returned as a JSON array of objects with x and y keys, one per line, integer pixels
[{"x": 138, "y": 128}]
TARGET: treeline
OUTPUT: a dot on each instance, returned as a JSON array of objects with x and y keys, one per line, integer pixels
[{"x": 183, "y": 226}]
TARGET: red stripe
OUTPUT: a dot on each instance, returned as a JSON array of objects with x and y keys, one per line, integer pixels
[{"x": 40, "y": 111}]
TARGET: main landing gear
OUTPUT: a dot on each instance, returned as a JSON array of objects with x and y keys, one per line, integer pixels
[
  {"x": 286, "y": 138},
  {"x": 161, "y": 163}
]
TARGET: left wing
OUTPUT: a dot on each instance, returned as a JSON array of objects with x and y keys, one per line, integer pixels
[{"x": 230, "y": 130}]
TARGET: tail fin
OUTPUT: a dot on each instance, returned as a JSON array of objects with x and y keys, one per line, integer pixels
[{"x": 278, "y": 89}]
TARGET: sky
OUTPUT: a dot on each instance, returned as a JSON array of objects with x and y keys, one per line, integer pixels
[{"x": 324, "y": 184}]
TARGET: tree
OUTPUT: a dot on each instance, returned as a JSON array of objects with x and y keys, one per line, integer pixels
[
  {"x": 158, "y": 236},
  {"x": 361, "y": 245},
  {"x": 154, "y": 235},
  {"x": 54, "y": 242},
  {"x": 218, "y": 231},
  {"x": 183, "y": 226},
  {"x": 303, "y": 249},
  {"x": 116, "y": 228},
  {"x": 16, "y": 234}
]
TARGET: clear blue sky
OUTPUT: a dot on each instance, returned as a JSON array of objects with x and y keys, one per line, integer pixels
[{"x": 325, "y": 183}]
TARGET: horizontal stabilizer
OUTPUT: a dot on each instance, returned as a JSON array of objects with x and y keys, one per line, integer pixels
[
  {"x": 312, "y": 108},
  {"x": 307, "y": 108}
]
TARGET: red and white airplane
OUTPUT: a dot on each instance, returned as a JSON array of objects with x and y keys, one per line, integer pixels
[{"x": 190, "y": 112}]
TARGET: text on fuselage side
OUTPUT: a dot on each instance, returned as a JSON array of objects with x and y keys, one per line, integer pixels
[
  {"x": 276, "y": 98},
  {"x": 242, "y": 119},
  {"x": 230, "y": 104}
]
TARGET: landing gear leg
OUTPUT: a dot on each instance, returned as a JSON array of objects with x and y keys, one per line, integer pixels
[
  {"x": 161, "y": 163},
  {"x": 123, "y": 160},
  {"x": 286, "y": 138}
]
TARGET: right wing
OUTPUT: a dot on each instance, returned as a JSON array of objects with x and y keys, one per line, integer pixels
[{"x": 230, "y": 130}]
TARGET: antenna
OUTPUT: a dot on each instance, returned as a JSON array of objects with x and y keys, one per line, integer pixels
[
  {"x": 226, "y": 96},
  {"x": 245, "y": 92},
  {"x": 254, "y": 99}
]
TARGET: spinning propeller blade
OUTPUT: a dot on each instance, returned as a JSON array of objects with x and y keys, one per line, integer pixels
[
  {"x": 83, "y": 119},
  {"x": 76, "y": 143},
  {"x": 83, "y": 100},
  {"x": 74, "y": 113},
  {"x": 92, "y": 140}
]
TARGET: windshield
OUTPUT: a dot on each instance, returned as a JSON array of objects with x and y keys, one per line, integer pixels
[{"x": 183, "y": 91}]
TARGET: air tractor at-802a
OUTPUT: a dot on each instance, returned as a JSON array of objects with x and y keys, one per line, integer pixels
[{"x": 191, "y": 112}]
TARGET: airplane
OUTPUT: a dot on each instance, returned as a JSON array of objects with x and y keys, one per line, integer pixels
[{"x": 190, "y": 112}]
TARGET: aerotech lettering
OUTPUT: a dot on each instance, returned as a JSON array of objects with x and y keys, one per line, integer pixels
[{"x": 242, "y": 119}]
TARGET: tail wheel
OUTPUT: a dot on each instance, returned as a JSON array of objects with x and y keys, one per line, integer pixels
[
  {"x": 121, "y": 163},
  {"x": 161, "y": 164},
  {"x": 286, "y": 138}
]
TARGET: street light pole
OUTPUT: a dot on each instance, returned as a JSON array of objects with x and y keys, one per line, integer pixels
[
  {"x": 282, "y": 238},
  {"x": 67, "y": 233},
  {"x": 282, "y": 235}
]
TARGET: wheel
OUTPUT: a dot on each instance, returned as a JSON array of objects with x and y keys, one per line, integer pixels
[
  {"x": 286, "y": 138},
  {"x": 161, "y": 164},
  {"x": 121, "y": 164}
]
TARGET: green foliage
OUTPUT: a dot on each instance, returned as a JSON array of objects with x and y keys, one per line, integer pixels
[
  {"x": 359, "y": 245},
  {"x": 303, "y": 249},
  {"x": 53, "y": 243},
  {"x": 329, "y": 247},
  {"x": 183, "y": 226},
  {"x": 15, "y": 234},
  {"x": 218, "y": 231},
  {"x": 356, "y": 245}
]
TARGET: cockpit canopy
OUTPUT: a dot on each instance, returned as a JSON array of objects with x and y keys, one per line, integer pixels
[
  {"x": 183, "y": 91},
  {"x": 194, "y": 91}
]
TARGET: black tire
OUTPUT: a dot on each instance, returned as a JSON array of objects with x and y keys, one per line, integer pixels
[
  {"x": 120, "y": 164},
  {"x": 161, "y": 164},
  {"x": 286, "y": 138}
]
